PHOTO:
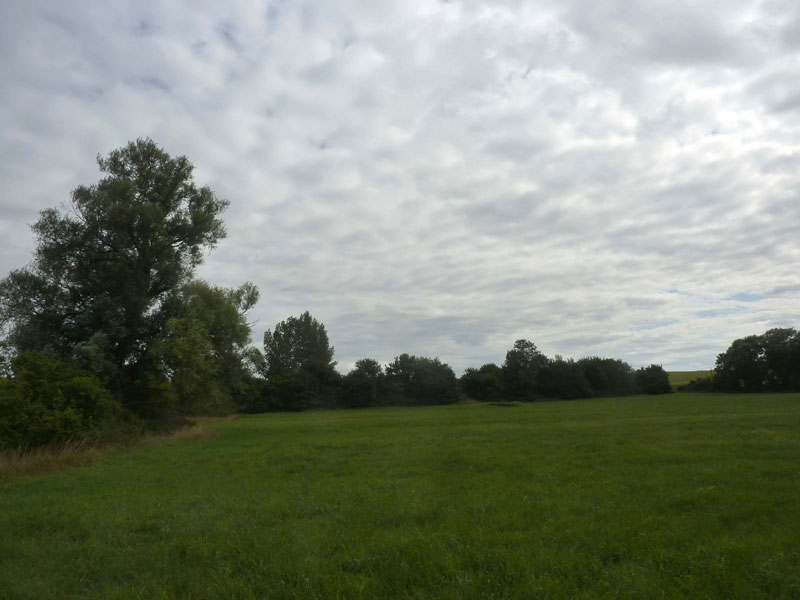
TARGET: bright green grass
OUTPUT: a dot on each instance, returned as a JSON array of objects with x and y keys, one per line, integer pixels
[
  {"x": 686, "y": 496},
  {"x": 679, "y": 378}
]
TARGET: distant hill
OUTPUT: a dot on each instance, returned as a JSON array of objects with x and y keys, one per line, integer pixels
[{"x": 678, "y": 378}]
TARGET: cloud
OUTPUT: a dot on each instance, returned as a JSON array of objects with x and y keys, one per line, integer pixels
[{"x": 444, "y": 178}]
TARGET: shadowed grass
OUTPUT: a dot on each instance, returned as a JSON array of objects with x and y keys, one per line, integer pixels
[
  {"x": 681, "y": 497},
  {"x": 16, "y": 464}
]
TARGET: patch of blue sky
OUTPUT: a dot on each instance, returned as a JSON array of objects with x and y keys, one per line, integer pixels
[
  {"x": 746, "y": 297},
  {"x": 656, "y": 325},
  {"x": 716, "y": 312}
]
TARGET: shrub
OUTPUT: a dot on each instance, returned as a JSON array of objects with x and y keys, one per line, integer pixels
[
  {"x": 701, "y": 384},
  {"x": 563, "y": 379},
  {"x": 49, "y": 400},
  {"x": 484, "y": 384},
  {"x": 420, "y": 380},
  {"x": 653, "y": 380},
  {"x": 363, "y": 385}
]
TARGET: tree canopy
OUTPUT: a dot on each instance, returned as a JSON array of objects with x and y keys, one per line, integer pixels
[
  {"x": 770, "y": 361},
  {"x": 521, "y": 369},
  {"x": 111, "y": 275}
]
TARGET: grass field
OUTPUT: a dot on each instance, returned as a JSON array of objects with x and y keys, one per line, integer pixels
[
  {"x": 679, "y": 378},
  {"x": 687, "y": 496}
]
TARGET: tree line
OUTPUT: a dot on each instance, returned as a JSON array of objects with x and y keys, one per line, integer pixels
[
  {"x": 108, "y": 330},
  {"x": 769, "y": 362}
]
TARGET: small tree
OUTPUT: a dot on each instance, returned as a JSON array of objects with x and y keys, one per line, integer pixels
[
  {"x": 484, "y": 384},
  {"x": 521, "y": 369},
  {"x": 421, "y": 380},
  {"x": 653, "y": 380},
  {"x": 299, "y": 360},
  {"x": 363, "y": 385}
]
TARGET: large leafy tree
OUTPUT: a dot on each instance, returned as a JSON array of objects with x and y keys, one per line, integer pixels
[
  {"x": 102, "y": 284},
  {"x": 298, "y": 364},
  {"x": 521, "y": 369},
  {"x": 770, "y": 361},
  {"x": 298, "y": 344}
]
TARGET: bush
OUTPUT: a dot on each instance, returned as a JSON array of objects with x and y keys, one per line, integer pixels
[
  {"x": 48, "y": 400},
  {"x": 653, "y": 380},
  {"x": 563, "y": 379},
  {"x": 420, "y": 380},
  {"x": 701, "y": 384},
  {"x": 363, "y": 385},
  {"x": 484, "y": 384},
  {"x": 608, "y": 376}
]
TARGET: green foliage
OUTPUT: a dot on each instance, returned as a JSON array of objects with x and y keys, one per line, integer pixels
[
  {"x": 364, "y": 384},
  {"x": 701, "y": 384},
  {"x": 770, "y": 361},
  {"x": 186, "y": 352},
  {"x": 484, "y": 384},
  {"x": 47, "y": 400},
  {"x": 653, "y": 380},
  {"x": 563, "y": 379},
  {"x": 298, "y": 360},
  {"x": 297, "y": 344},
  {"x": 103, "y": 274},
  {"x": 420, "y": 380},
  {"x": 608, "y": 376},
  {"x": 204, "y": 352},
  {"x": 521, "y": 369}
]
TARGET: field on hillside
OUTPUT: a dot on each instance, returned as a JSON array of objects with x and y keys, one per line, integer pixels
[
  {"x": 679, "y": 378},
  {"x": 686, "y": 496}
]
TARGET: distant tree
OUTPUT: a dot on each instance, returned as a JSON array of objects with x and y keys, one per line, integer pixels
[
  {"x": 484, "y": 384},
  {"x": 563, "y": 379},
  {"x": 521, "y": 369},
  {"x": 653, "y": 380},
  {"x": 608, "y": 376},
  {"x": 104, "y": 273},
  {"x": 297, "y": 344},
  {"x": 298, "y": 359},
  {"x": 364, "y": 384},
  {"x": 782, "y": 357},
  {"x": 420, "y": 380},
  {"x": 742, "y": 367},
  {"x": 770, "y": 361}
]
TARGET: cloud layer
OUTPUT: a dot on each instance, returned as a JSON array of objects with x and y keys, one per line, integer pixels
[{"x": 442, "y": 178}]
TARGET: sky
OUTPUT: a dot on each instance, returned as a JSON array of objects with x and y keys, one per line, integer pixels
[{"x": 610, "y": 178}]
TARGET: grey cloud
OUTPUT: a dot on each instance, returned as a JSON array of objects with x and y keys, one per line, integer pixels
[{"x": 442, "y": 179}]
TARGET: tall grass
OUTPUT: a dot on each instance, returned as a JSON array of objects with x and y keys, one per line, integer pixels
[{"x": 24, "y": 462}]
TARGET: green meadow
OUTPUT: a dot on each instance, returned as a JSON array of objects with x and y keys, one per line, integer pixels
[{"x": 685, "y": 496}]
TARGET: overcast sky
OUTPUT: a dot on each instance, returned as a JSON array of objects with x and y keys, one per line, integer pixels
[{"x": 442, "y": 178}]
